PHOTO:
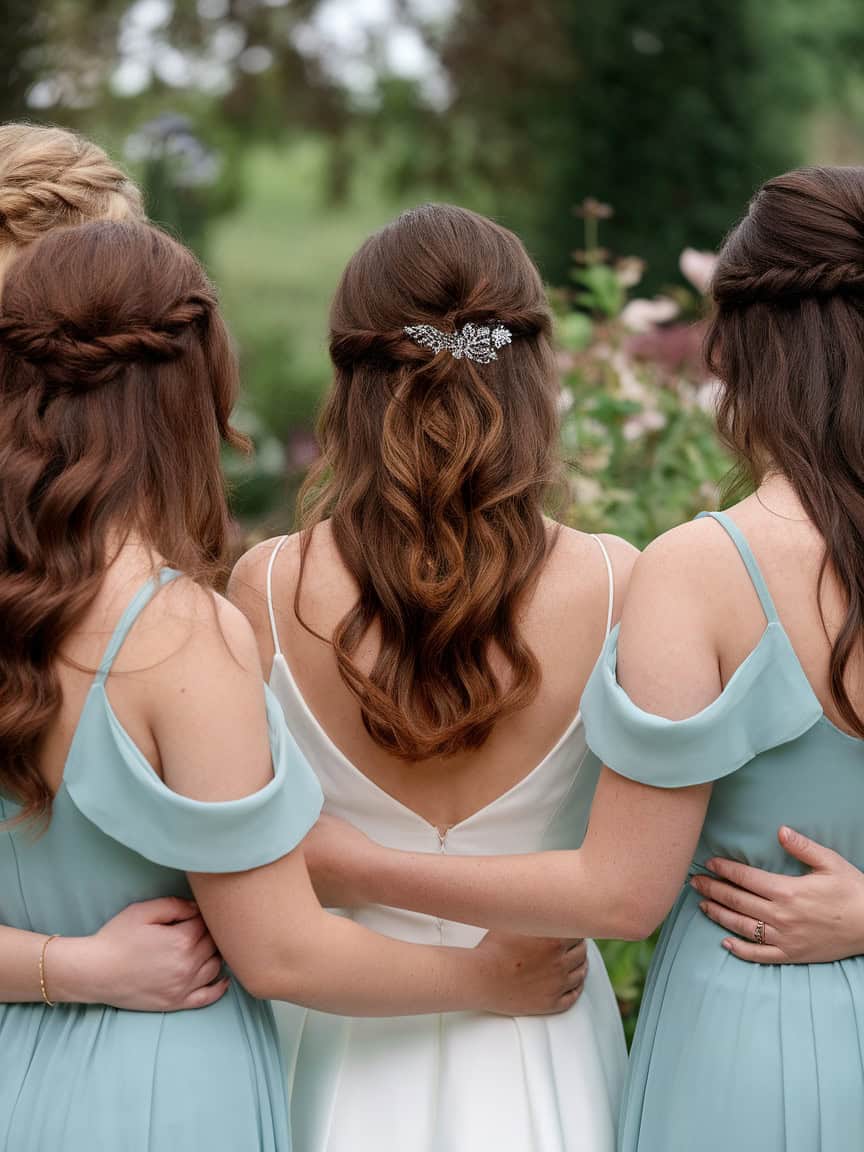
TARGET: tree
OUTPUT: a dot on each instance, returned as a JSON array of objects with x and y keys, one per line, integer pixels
[
  {"x": 20, "y": 41},
  {"x": 672, "y": 112}
]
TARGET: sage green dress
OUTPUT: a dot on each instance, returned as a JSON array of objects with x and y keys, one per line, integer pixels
[
  {"x": 730, "y": 1055},
  {"x": 78, "y": 1078}
]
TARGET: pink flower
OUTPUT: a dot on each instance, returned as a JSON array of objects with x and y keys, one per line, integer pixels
[
  {"x": 643, "y": 315},
  {"x": 698, "y": 268},
  {"x": 629, "y": 271}
]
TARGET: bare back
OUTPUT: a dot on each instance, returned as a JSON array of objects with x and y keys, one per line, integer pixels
[{"x": 564, "y": 622}]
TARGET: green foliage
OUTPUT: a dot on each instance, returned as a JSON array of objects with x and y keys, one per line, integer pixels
[
  {"x": 600, "y": 289},
  {"x": 19, "y": 42},
  {"x": 627, "y": 964},
  {"x": 277, "y": 260},
  {"x": 672, "y": 112}
]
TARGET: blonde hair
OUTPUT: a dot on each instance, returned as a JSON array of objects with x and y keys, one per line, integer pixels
[{"x": 51, "y": 178}]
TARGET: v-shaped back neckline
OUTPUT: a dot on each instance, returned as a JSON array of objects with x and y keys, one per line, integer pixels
[
  {"x": 279, "y": 661},
  {"x": 343, "y": 760}
]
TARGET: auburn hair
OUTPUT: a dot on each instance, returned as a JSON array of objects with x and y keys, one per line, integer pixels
[
  {"x": 433, "y": 472},
  {"x": 787, "y": 344},
  {"x": 117, "y": 380},
  {"x": 50, "y": 177}
]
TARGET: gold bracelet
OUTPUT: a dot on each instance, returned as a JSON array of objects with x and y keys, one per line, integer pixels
[{"x": 42, "y": 983}]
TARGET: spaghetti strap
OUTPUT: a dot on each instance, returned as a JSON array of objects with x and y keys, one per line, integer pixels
[
  {"x": 611, "y": 576},
  {"x": 277, "y": 649},
  {"x": 745, "y": 552},
  {"x": 136, "y": 606}
]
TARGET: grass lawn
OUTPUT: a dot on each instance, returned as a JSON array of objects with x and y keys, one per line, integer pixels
[{"x": 278, "y": 259}]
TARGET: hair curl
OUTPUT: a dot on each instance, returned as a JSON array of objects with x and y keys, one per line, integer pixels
[
  {"x": 787, "y": 344},
  {"x": 433, "y": 474},
  {"x": 117, "y": 381}
]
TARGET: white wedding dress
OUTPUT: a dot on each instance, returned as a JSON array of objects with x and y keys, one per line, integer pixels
[{"x": 454, "y": 1082}]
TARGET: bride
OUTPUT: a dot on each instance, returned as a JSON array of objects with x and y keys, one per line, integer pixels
[{"x": 429, "y": 634}]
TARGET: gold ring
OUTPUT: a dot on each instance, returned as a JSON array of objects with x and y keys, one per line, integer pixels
[{"x": 759, "y": 932}]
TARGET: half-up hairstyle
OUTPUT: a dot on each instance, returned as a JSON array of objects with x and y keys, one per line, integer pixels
[
  {"x": 433, "y": 474},
  {"x": 51, "y": 178},
  {"x": 787, "y": 344},
  {"x": 117, "y": 380}
]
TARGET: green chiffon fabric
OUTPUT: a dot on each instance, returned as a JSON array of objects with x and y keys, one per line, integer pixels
[
  {"x": 731, "y": 1055},
  {"x": 80, "y": 1078}
]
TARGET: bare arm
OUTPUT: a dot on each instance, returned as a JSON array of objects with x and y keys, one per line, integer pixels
[
  {"x": 208, "y": 719},
  {"x": 620, "y": 884},
  {"x": 640, "y": 840}
]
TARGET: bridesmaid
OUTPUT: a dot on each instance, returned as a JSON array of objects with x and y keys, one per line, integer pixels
[
  {"x": 140, "y": 754},
  {"x": 158, "y": 955},
  {"x": 728, "y": 702}
]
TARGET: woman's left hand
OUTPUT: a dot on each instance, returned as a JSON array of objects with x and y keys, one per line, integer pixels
[{"x": 810, "y": 919}]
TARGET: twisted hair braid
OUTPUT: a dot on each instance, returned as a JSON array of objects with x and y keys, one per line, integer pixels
[{"x": 74, "y": 357}]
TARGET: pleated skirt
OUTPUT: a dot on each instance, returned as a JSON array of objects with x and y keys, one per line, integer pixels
[
  {"x": 730, "y": 1055},
  {"x": 81, "y": 1078}
]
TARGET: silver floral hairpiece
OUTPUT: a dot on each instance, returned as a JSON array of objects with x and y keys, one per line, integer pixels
[{"x": 477, "y": 342}]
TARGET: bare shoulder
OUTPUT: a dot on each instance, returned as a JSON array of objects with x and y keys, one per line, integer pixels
[
  {"x": 676, "y": 614},
  {"x": 327, "y": 591},
  {"x": 251, "y": 570},
  {"x": 180, "y": 623},
  {"x": 693, "y": 556},
  {"x": 577, "y": 570},
  {"x": 206, "y": 621},
  {"x": 249, "y": 576},
  {"x": 206, "y": 707},
  {"x": 681, "y": 585}
]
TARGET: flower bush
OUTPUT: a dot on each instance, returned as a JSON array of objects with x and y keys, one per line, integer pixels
[{"x": 637, "y": 424}]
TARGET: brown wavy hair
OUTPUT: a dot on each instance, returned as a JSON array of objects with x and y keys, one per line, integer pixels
[
  {"x": 51, "y": 178},
  {"x": 433, "y": 473},
  {"x": 787, "y": 343},
  {"x": 117, "y": 380}
]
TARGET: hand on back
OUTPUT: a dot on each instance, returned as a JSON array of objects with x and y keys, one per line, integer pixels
[
  {"x": 810, "y": 919},
  {"x": 156, "y": 956}
]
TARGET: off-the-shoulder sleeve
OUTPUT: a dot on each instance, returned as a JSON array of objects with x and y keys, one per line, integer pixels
[
  {"x": 767, "y": 702},
  {"x": 114, "y": 786}
]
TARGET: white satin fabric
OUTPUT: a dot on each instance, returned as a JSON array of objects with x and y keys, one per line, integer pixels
[{"x": 455, "y": 1082}]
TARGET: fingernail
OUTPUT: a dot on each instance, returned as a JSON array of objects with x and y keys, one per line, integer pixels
[
  {"x": 709, "y": 864},
  {"x": 704, "y": 906},
  {"x": 727, "y": 944}
]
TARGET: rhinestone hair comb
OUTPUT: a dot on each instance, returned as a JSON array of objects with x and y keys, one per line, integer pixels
[{"x": 478, "y": 342}]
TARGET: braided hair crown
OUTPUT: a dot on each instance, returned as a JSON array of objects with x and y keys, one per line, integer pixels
[
  {"x": 50, "y": 178},
  {"x": 802, "y": 237},
  {"x": 81, "y": 343}
]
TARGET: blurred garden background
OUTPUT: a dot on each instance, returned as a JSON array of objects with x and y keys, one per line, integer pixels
[{"x": 621, "y": 139}]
